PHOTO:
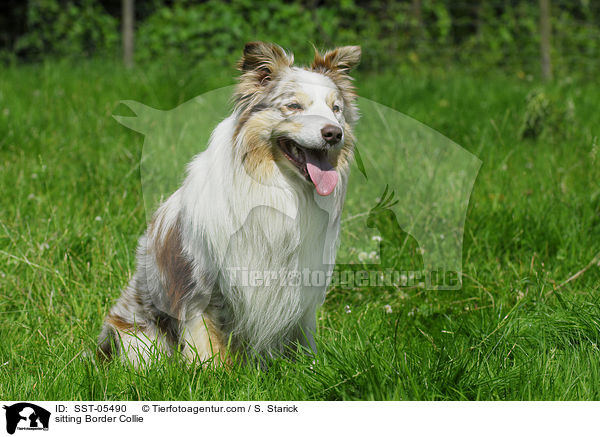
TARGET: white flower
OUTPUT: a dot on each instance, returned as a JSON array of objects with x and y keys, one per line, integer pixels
[
  {"x": 388, "y": 309},
  {"x": 362, "y": 256},
  {"x": 376, "y": 238},
  {"x": 31, "y": 196},
  {"x": 420, "y": 251},
  {"x": 43, "y": 246},
  {"x": 98, "y": 218},
  {"x": 373, "y": 255},
  {"x": 347, "y": 309}
]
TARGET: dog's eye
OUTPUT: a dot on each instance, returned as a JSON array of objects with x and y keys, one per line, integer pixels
[
  {"x": 294, "y": 106},
  {"x": 335, "y": 108}
]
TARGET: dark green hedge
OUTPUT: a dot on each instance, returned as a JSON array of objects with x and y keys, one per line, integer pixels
[{"x": 480, "y": 33}]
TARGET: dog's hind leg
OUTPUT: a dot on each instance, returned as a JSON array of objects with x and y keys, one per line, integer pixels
[{"x": 135, "y": 331}]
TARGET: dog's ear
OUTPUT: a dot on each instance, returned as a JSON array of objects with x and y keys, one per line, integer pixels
[
  {"x": 339, "y": 60},
  {"x": 336, "y": 64},
  {"x": 263, "y": 60}
]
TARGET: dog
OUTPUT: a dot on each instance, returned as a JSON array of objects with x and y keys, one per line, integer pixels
[{"x": 265, "y": 196}]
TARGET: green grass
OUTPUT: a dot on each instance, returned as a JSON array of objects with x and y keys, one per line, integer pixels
[{"x": 72, "y": 211}]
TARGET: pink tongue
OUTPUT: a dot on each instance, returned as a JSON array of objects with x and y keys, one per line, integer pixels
[{"x": 321, "y": 173}]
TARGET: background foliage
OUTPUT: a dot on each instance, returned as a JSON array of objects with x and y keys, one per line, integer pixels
[{"x": 478, "y": 33}]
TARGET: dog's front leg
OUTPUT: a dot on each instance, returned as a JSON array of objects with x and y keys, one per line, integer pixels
[{"x": 202, "y": 341}]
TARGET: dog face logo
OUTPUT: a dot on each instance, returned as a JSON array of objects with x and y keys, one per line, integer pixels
[{"x": 26, "y": 416}]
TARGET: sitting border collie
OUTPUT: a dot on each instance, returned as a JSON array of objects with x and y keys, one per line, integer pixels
[{"x": 237, "y": 260}]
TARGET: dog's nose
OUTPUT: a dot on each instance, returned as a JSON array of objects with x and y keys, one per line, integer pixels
[{"x": 332, "y": 134}]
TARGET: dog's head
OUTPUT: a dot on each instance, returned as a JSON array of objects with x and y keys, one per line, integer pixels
[{"x": 296, "y": 121}]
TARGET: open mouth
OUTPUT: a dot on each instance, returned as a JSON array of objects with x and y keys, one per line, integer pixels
[{"x": 312, "y": 164}]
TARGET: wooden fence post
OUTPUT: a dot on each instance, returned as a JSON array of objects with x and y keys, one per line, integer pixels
[
  {"x": 545, "y": 31},
  {"x": 128, "y": 22}
]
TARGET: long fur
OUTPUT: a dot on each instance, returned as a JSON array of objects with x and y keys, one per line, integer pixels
[{"x": 241, "y": 209}]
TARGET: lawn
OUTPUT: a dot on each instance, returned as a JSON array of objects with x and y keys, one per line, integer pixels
[{"x": 524, "y": 326}]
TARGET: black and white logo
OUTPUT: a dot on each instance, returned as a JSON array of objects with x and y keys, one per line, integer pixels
[{"x": 26, "y": 416}]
